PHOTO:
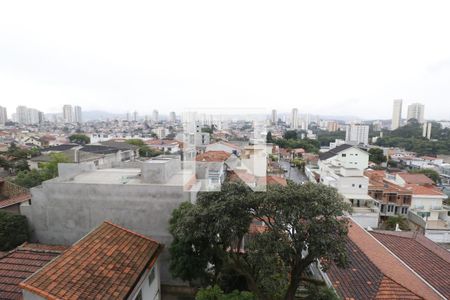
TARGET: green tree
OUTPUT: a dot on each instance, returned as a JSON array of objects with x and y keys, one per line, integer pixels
[
  {"x": 430, "y": 173},
  {"x": 13, "y": 230},
  {"x": 376, "y": 155},
  {"x": 136, "y": 142},
  {"x": 146, "y": 151},
  {"x": 269, "y": 138},
  {"x": 208, "y": 234},
  {"x": 290, "y": 135},
  {"x": 80, "y": 139},
  {"x": 50, "y": 169}
]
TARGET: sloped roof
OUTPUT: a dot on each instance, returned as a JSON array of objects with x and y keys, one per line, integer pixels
[
  {"x": 62, "y": 147},
  {"x": 333, "y": 152},
  {"x": 105, "y": 264},
  {"x": 213, "y": 156},
  {"x": 15, "y": 200},
  {"x": 119, "y": 145},
  {"x": 422, "y": 255},
  {"x": 99, "y": 149},
  {"x": 415, "y": 178},
  {"x": 424, "y": 190},
  {"x": 20, "y": 263},
  {"x": 374, "y": 273}
]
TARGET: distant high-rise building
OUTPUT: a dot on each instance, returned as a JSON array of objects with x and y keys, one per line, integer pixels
[
  {"x": 332, "y": 126},
  {"x": 67, "y": 113},
  {"x": 416, "y": 111},
  {"x": 135, "y": 116},
  {"x": 397, "y": 114},
  {"x": 172, "y": 117},
  {"x": 22, "y": 115},
  {"x": 357, "y": 134},
  {"x": 78, "y": 117},
  {"x": 426, "y": 133},
  {"x": 28, "y": 116},
  {"x": 294, "y": 118},
  {"x": 3, "y": 115},
  {"x": 274, "y": 118},
  {"x": 155, "y": 116}
]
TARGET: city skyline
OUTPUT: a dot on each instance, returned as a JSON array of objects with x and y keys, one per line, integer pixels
[{"x": 271, "y": 60}]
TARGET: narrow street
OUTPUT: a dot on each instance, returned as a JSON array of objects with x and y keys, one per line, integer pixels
[{"x": 293, "y": 173}]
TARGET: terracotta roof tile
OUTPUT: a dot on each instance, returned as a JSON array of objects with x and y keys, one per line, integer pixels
[
  {"x": 105, "y": 264},
  {"x": 15, "y": 200},
  {"x": 20, "y": 263},
  {"x": 374, "y": 272},
  {"x": 424, "y": 190},
  {"x": 429, "y": 261},
  {"x": 415, "y": 178},
  {"x": 213, "y": 156}
]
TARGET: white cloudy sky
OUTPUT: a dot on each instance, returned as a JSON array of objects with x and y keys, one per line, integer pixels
[{"x": 327, "y": 57}]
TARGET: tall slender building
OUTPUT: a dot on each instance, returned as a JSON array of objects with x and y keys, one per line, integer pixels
[
  {"x": 3, "y": 115},
  {"x": 172, "y": 117},
  {"x": 78, "y": 117},
  {"x": 397, "y": 114},
  {"x": 294, "y": 118},
  {"x": 274, "y": 118},
  {"x": 67, "y": 113},
  {"x": 416, "y": 111},
  {"x": 155, "y": 116}
]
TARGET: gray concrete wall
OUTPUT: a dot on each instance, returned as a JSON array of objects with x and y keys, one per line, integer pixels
[{"x": 63, "y": 212}]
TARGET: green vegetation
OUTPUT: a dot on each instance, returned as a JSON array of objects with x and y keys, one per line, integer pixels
[
  {"x": 272, "y": 265},
  {"x": 13, "y": 230},
  {"x": 432, "y": 174},
  {"x": 326, "y": 137},
  {"x": 410, "y": 138},
  {"x": 269, "y": 138},
  {"x": 310, "y": 146},
  {"x": 377, "y": 156},
  {"x": 48, "y": 170},
  {"x": 144, "y": 150},
  {"x": 391, "y": 223},
  {"x": 80, "y": 139},
  {"x": 216, "y": 293},
  {"x": 15, "y": 158}
]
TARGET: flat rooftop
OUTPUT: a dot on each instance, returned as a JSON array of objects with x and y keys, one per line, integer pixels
[{"x": 124, "y": 176}]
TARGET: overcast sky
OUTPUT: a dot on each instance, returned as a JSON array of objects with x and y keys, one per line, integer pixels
[{"x": 325, "y": 57}]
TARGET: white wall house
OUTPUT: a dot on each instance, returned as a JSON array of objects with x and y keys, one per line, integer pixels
[{"x": 342, "y": 168}]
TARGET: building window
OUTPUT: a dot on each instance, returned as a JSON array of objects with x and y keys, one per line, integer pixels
[
  {"x": 360, "y": 186},
  {"x": 139, "y": 296},
  {"x": 344, "y": 155},
  {"x": 353, "y": 185},
  {"x": 151, "y": 276}
]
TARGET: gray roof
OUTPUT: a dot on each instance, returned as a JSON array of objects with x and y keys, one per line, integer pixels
[
  {"x": 120, "y": 145},
  {"x": 333, "y": 152}
]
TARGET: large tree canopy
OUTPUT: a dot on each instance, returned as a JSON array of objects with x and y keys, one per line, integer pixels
[{"x": 301, "y": 225}]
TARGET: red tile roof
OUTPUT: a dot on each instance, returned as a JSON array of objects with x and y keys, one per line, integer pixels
[
  {"x": 20, "y": 263},
  {"x": 374, "y": 272},
  {"x": 430, "y": 261},
  {"x": 415, "y": 178},
  {"x": 105, "y": 264},
  {"x": 424, "y": 190},
  {"x": 213, "y": 156},
  {"x": 14, "y": 200}
]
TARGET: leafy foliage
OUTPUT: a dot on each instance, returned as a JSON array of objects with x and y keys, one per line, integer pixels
[
  {"x": 216, "y": 293},
  {"x": 377, "y": 156},
  {"x": 208, "y": 234},
  {"x": 410, "y": 138},
  {"x": 311, "y": 146},
  {"x": 80, "y": 139},
  {"x": 13, "y": 230},
  {"x": 48, "y": 170},
  {"x": 144, "y": 150},
  {"x": 326, "y": 137}
]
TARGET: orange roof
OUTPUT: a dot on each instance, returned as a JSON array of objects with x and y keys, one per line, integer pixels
[
  {"x": 213, "y": 156},
  {"x": 105, "y": 264},
  {"x": 415, "y": 178},
  {"x": 269, "y": 180},
  {"x": 424, "y": 190},
  {"x": 14, "y": 200},
  {"x": 375, "y": 273}
]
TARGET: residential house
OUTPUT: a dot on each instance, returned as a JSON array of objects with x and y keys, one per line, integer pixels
[
  {"x": 111, "y": 262},
  {"x": 210, "y": 169},
  {"x": 165, "y": 146},
  {"x": 224, "y": 146},
  {"x": 343, "y": 168},
  {"x": 392, "y": 199},
  {"x": 139, "y": 197}
]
